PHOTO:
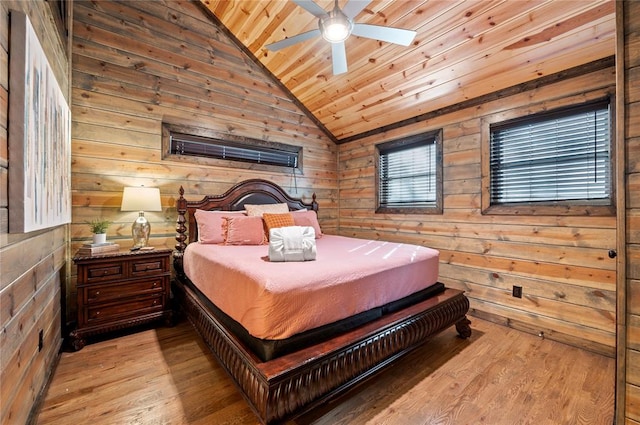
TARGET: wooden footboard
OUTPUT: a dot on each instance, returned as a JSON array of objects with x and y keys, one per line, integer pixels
[{"x": 280, "y": 389}]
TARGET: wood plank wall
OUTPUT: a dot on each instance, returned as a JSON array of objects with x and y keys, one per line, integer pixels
[
  {"x": 561, "y": 262},
  {"x": 139, "y": 64},
  {"x": 135, "y": 66},
  {"x": 126, "y": 82},
  {"x": 631, "y": 18},
  {"x": 32, "y": 266}
]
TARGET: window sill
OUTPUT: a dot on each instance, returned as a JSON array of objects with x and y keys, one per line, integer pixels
[
  {"x": 559, "y": 209},
  {"x": 409, "y": 210}
]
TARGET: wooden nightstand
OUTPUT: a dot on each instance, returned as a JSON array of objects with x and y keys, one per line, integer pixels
[{"x": 121, "y": 289}]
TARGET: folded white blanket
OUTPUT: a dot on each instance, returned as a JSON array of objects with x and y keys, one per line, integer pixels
[{"x": 292, "y": 243}]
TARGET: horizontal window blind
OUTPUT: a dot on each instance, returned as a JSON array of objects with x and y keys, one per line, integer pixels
[
  {"x": 185, "y": 144},
  {"x": 408, "y": 175},
  {"x": 561, "y": 156}
]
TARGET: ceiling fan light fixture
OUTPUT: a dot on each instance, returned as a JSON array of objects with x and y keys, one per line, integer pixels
[{"x": 335, "y": 26}]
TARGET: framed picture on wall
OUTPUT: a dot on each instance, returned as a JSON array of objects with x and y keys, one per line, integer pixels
[{"x": 39, "y": 136}]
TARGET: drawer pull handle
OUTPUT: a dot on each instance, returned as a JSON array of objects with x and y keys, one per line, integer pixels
[{"x": 97, "y": 293}]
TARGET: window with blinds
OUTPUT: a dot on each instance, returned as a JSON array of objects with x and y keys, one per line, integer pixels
[
  {"x": 209, "y": 147},
  {"x": 410, "y": 174},
  {"x": 563, "y": 155}
]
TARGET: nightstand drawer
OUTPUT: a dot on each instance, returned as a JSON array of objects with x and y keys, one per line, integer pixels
[
  {"x": 105, "y": 271},
  {"x": 103, "y": 293},
  {"x": 144, "y": 267},
  {"x": 124, "y": 309}
]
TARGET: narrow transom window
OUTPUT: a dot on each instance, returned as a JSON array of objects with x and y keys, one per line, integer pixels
[
  {"x": 564, "y": 155},
  {"x": 186, "y": 144},
  {"x": 410, "y": 174}
]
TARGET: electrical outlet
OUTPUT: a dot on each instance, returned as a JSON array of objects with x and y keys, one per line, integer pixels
[
  {"x": 517, "y": 291},
  {"x": 40, "y": 340}
]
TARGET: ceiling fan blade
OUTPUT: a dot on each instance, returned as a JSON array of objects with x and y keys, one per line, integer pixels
[
  {"x": 353, "y": 7},
  {"x": 293, "y": 40},
  {"x": 311, "y": 7},
  {"x": 339, "y": 58},
  {"x": 391, "y": 35}
]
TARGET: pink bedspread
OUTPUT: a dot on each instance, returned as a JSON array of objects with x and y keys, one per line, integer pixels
[{"x": 278, "y": 300}]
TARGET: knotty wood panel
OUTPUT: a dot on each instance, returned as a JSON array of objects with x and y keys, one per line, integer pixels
[
  {"x": 32, "y": 266},
  {"x": 139, "y": 64},
  {"x": 22, "y": 380},
  {"x": 462, "y": 50},
  {"x": 568, "y": 280}
]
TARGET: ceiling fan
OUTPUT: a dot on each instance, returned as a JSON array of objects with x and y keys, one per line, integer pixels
[{"x": 337, "y": 25}]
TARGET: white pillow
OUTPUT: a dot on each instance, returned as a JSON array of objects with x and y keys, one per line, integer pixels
[{"x": 258, "y": 210}]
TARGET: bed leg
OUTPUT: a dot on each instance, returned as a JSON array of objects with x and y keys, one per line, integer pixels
[{"x": 463, "y": 328}]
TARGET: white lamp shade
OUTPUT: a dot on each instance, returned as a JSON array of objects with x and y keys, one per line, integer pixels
[{"x": 141, "y": 199}]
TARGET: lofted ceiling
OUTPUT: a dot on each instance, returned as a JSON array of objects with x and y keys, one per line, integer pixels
[{"x": 462, "y": 50}]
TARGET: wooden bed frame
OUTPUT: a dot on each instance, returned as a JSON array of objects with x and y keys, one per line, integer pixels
[{"x": 280, "y": 389}]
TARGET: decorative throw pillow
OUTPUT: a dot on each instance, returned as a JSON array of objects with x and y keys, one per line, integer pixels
[
  {"x": 210, "y": 225},
  {"x": 258, "y": 210},
  {"x": 272, "y": 221},
  {"x": 243, "y": 230},
  {"x": 307, "y": 218}
]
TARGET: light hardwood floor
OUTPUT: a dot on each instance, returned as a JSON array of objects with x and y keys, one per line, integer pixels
[{"x": 499, "y": 376}]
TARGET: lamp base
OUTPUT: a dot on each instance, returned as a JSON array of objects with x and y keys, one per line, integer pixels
[{"x": 140, "y": 230}]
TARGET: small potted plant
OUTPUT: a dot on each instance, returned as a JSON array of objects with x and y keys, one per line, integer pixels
[{"x": 99, "y": 228}]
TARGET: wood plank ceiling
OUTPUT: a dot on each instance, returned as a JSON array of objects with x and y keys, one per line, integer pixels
[{"x": 463, "y": 50}]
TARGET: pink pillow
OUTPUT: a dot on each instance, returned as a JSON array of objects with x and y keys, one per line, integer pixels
[
  {"x": 210, "y": 225},
  {"x": 307, "y": 218},
  {"x": 243, "y": 230}
]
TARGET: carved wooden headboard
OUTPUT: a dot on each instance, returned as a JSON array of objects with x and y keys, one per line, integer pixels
[{"x": 253, "y": 191}]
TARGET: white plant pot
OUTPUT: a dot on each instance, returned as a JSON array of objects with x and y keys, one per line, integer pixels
[{"x": 99, "y": 237}]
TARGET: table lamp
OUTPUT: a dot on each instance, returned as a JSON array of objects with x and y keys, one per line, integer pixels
[{"x": 141, "y": 199}]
